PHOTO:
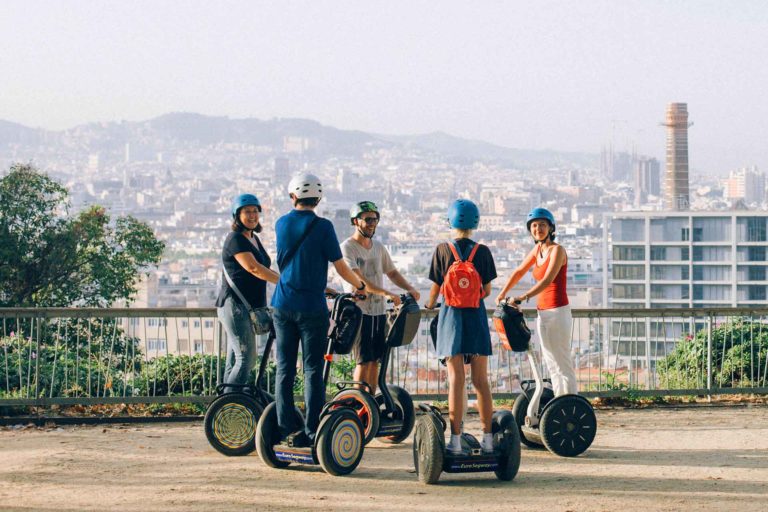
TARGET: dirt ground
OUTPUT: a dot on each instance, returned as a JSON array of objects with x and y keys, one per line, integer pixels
[{"x": 651, "y": 459}]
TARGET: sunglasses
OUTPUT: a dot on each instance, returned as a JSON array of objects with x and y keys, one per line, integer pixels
[{"x": 370, "y": 220}]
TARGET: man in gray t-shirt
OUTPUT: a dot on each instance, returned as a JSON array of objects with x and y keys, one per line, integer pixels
[{"x": 371, "y": 261}]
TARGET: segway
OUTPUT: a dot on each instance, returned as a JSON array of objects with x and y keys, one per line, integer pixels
[
  {"x": 431, "y": 459},
  {"x": 389, "y": 415},
  {"x": 566, "y": 425},
  {"x": 231, "y": 418},
  {"x": 339, "y": 440}
]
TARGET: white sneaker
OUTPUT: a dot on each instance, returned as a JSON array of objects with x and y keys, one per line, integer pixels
[
  {"x": 454, "y": 446},
  {"x": 454, "y": 450},
  {"x": 487, "y": 443}
]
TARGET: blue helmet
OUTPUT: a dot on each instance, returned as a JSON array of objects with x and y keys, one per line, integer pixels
[
  {"x": 463, "y": 214},
  {"x": 541, "y": 213},
  {"x": 244, "y": 200}
]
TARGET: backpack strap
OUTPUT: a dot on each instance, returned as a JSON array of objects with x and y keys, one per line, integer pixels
[
  {"x": 454, "y": 250},
  {"x": 472, "y": 254}
]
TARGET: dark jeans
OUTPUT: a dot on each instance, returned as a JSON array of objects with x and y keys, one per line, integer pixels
[
  {"x": 311, "y": 329},
  {"x": 241, "y": 341}
]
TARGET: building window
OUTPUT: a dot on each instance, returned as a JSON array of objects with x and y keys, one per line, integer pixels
[
  {"x": 629, "y": 272},
  {"x": 658, "y": 253},
  {"x": 711, "y": 292},
  {"x": 155, "y": 344},
  {"x": 756, "y": 293},
  {"x": 756, "y": 273},
  {"x": 685, "y": 254},
  {"x": 157, "y": 322},
  {"x": 628, "y": 329},
  {"x": 756, "y": 231},
  {"x": 185, "y": 323},
  {"x": 756, "y": 254},
  {"x": 208, "y": 324},
  {"x": 669, "y": 291},
  {"x": 712, "y": 229},
  {"x": 629, "y": 253},
  {"x": 628, "y": 291},
  {"x": 196, "y": 323},
  {"x": 198, "y": 347},
  {"x": 698, "y": 234},
  {"x": 685, "y": 234},
  {"x": 711, "y": 253}
]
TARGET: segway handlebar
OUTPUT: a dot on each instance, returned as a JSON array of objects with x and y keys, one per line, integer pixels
[{"x": 333, "y": 294}]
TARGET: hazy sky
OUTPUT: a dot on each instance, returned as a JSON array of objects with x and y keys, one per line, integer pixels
[{"x": 538, "y": 74}]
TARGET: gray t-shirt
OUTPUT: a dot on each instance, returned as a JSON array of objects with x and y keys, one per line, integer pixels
[{"x": 373, "y": 263}]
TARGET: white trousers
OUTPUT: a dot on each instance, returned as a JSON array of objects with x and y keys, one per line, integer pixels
[{"x": 555, "y": 332}]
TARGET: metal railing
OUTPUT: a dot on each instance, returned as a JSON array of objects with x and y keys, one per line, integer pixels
[{"x": 102, "y": 356}]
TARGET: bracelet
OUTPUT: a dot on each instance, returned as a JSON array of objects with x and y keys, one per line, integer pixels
[{"x": 361, "y": 287}]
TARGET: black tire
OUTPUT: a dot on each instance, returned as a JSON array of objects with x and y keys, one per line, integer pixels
[
  {"x": 367, "y": 410},
  {"x": 509, "y": 443},
  {"x": 404, "y": 403},
  {"x": 428, "y": 449},
  {"x": 520, "y": 410},
  {"x": 230, "y": 424},
  {"x": 568, "y": 425},
  {"x": 267, "y": 436},
  {"x": 340, "y": 442}
]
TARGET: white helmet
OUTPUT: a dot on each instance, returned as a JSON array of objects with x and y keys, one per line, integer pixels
[{"x": 304, "y": 186}]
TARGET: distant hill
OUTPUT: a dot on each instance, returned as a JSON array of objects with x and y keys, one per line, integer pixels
[
  {"x": 15, "y": 133},
  {"x": 446, "y": 144},
  {"x": 196, "y": 129}
]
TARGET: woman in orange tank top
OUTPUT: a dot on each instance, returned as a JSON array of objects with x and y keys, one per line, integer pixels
[{"x": 550, "y": 267}]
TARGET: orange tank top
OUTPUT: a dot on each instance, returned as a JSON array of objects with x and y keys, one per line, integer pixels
[{"x": 554, "y": 295}]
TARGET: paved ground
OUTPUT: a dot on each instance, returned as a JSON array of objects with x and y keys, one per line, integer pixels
[{"x": 653, "y": 459}]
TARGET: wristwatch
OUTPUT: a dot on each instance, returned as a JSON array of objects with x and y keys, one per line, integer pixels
[{"x": 361, "y": 287}]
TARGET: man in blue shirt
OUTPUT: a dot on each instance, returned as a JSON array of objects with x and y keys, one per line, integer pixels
[{"x": 306, "y": 244}]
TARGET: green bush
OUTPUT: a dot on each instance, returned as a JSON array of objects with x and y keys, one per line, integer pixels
[
  {"x": 739, "y": 352},
  {"x": 68, "y": 357}
]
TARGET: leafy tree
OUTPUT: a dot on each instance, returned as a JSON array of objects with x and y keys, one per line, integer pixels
[{"x": 51, "y": 259}]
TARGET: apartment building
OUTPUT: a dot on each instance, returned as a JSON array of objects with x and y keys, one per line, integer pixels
[{"x": 680, "y": 260}]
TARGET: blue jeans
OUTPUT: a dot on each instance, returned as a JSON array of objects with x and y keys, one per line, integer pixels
[
  {"x": 311, "y": 329},
  {"x": 241, "y": 341}
]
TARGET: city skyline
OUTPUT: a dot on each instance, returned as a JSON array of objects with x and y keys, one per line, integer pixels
[{"x": 554, "y": 75}]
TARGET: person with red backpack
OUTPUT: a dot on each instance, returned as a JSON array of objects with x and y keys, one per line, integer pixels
[{"x": 462, "y": 271}]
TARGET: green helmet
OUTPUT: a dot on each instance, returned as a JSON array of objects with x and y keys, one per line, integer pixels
[{"x": 363, "y": 207}]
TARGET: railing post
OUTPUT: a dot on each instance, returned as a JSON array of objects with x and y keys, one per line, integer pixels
[{"x": 709, "y": 356}]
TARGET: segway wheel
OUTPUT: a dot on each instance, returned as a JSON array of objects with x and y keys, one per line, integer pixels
[
  {"x": 230, "y": 424},
  {"x": 340, "y": 442},
  {"x": 520, "y": 410},
  {"x": 505, "y": 427},
  {"x": 267, "y": 436},
  {"x": 428, "y": 449},
  {"x": 367, "y": 410},
  {"x": 568, "y": 425},
  {"x": 404, "y": 403}
]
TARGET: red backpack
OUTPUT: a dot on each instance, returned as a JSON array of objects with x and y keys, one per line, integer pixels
[{"x": 462, "y": 285}]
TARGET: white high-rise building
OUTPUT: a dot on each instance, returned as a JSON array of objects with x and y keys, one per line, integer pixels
[
  {"x": 746, "y": 184},
  {"x": 662, "y": 260}
]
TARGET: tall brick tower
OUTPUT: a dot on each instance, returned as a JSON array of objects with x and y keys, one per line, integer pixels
[{"x": 676, "y": 194}]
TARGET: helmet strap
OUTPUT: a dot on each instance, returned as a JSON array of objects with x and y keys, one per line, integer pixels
[{"x": 363, "y": 233}]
